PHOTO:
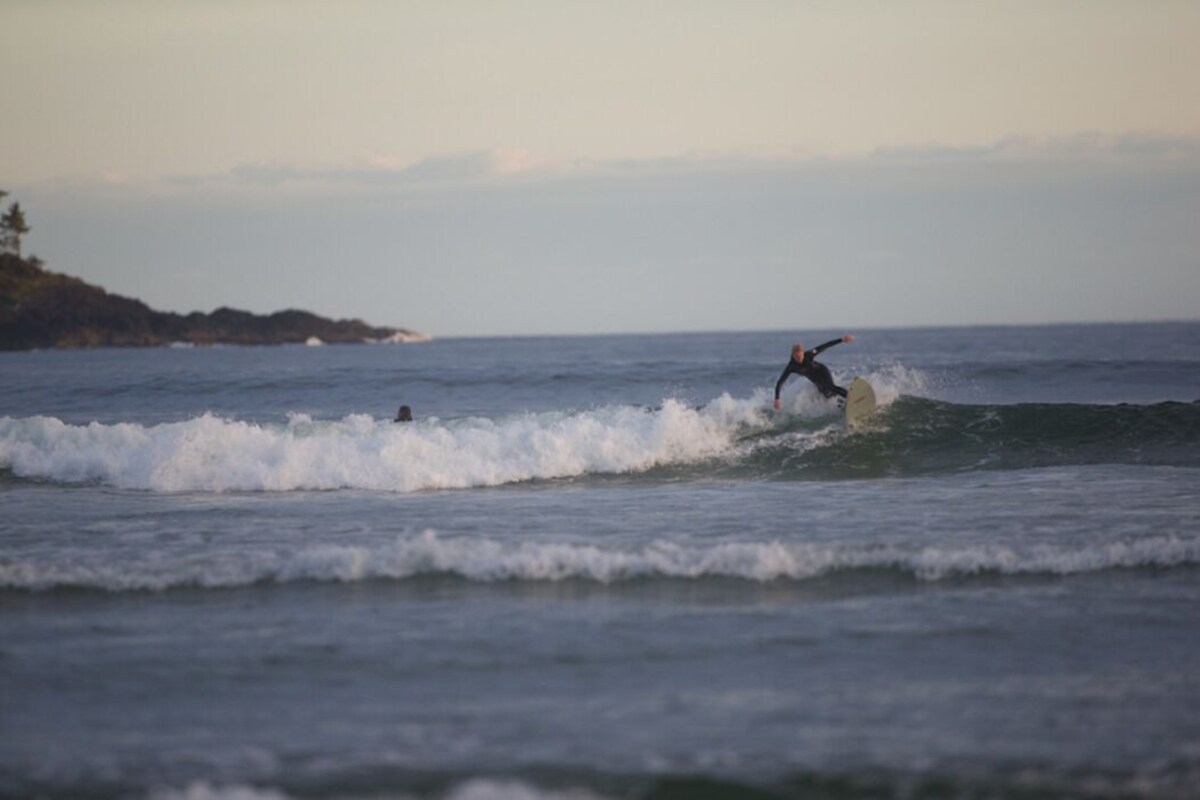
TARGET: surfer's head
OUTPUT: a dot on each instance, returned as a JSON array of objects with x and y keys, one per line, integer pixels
[{"x": 797, "y": 351}]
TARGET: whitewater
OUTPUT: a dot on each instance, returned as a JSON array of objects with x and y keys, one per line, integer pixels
[
  {"x": 358, "y": 451},
  {"x": 604, "y": 567},
  {"x": 209, "y": 453}
]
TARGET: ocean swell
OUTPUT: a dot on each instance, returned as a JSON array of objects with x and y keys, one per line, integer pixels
[{"x": 487, "y": 560}]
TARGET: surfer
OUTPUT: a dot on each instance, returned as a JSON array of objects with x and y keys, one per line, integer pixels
[
  {"x": 403, "y": 415},
  {"x": 803, "y": 363}
]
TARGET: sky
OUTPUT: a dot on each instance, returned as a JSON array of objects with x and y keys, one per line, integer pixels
[{"x": 501, "y": 168}]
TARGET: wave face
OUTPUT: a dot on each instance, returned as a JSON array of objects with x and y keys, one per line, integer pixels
[
  {"x": 730, "y": 438},
  {"x": 915, "y": 436}
]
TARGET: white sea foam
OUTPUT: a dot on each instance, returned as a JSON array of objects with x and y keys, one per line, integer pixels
[
  {"x": 484, "y": 789},
  {"x": 474, "y": 789},
  {"x": 490, "y": 560},
  {"x": 213, "y": 454},
  {"x": 205, "y": 791}
]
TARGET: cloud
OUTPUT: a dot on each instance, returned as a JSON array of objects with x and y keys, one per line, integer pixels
[
  {"x": 507, "y": 164},
  {"x": 1080, "y": 146},
  {"x": 456, "y": 168},
  {"x": 500, "y": 166}
]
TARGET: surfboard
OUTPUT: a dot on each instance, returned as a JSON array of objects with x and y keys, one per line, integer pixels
[{"x": 860, "y": 403}]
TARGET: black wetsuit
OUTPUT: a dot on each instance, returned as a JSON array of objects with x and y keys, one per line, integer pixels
[{"x": 817, "y": 373}]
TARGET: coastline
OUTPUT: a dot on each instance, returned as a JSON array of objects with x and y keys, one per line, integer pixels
[{"x": 41, "y": 310}]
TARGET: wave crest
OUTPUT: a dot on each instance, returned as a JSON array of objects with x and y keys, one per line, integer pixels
[
  {"x": 489, "y": 561},
  {"x": 209, "y": 453}
]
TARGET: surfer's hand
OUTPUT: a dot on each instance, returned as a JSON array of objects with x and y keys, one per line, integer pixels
[
  {"x": 848, "y": 338},
  {"x": 778, "y": 405}
]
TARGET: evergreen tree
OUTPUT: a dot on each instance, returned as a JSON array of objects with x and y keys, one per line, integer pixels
[{"x": 12, "y": 228}]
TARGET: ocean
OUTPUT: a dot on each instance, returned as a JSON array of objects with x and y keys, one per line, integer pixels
[{"x": 602, "y": 567}]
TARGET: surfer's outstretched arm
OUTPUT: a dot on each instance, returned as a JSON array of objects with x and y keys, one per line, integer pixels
[{"x": 847, "y": 339}]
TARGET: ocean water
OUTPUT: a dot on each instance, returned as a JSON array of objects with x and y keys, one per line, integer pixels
[{"x": 602, "y": 567}]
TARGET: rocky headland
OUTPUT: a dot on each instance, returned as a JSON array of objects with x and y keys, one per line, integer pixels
[{"x": 43, "y": 309}]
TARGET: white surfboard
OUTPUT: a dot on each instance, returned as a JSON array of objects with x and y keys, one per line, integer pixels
[{"x": 860, "y": 403}]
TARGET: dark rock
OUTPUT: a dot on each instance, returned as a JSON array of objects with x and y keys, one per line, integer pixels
[{"x": 41, "y": 309}]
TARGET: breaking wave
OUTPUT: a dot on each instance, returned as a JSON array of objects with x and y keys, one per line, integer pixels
[
  {"x": 210, "y": 454},
  {"x": 489, "y": 560},
  {"x": 726, "y": 438}
]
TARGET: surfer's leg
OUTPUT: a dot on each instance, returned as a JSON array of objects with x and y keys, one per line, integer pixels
[
  {"x": 830, "y": 389},
  {"x": 824, "y": 381}
]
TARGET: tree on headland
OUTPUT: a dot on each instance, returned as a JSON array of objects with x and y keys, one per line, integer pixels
[{"x": 12, "y": 228}]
